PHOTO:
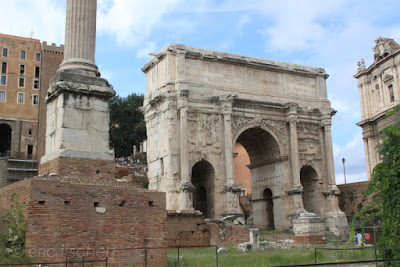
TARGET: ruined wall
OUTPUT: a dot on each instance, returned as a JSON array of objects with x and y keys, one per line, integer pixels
[
  {"x": 351, "y": 198},
  {"x": 94, "y": 218},
  {"x": 189, "y": 229},
  {"x": 227, "y": 234}
]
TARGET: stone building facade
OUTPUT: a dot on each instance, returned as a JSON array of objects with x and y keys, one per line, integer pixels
[
  {"x": 26, "y": 68},
  {"x": 199, "y": 103},
  {"x": 379, "y": 89}
]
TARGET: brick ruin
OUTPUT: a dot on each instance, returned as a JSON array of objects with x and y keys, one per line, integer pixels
[{"x": 91, "y": 218}]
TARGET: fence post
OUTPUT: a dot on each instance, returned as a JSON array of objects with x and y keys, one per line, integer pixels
[
  {"x": 315, "y": 255},
  {"x": 106, "y": 261},
  {"x": 376, "y": 264},
  {"x": 178, "y": 254},
  {"x": 66, "y": 261},
  {"x": 216, "y": 255},
  {"x": 83, "y": 261},
  {"x": 145, "y": 257}
]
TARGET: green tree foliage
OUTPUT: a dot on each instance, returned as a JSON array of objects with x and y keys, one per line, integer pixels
[
  {"x": 13, "y": 230},
  {"x": 127, "y": 126},
  {"x": 384, "y": 189}
]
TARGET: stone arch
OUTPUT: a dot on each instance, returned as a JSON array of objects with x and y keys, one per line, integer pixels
[
  {"x": 202, "y": 177},
  {"x": 5, "y": 138},
  {"x": 311, "y": 195},
  {"x": 269, "y": 130}
]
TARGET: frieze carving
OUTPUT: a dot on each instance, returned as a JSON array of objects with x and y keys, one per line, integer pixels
[
  {"x": 308, "y": 131},
  {"x": 239, "y": 122},
  {"x": 204, "y": 131}
]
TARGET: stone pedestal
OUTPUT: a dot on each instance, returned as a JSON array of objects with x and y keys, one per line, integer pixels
[
  {"x": 77, "y": 126},
  {"x": 309, "y": 229}
]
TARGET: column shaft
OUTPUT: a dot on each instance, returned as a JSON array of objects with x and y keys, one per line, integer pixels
[
  {"x": 329, "y": 153},
  {"x": 294, "y": 153},
  {"x": 185, "y": 172},
  {"x": 80, "y": 35},
  {"x": 228, "y": 148}
]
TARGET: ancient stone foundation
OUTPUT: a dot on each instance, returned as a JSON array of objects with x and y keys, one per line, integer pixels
[
  {"x": 189, "y": 229},
  {"x": 309, "y": 229},
  {"x": 91, "y": 218}
]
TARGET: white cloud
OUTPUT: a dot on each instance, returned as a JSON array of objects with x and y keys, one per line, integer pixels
[
  {"x": 45, "y": 18},
  {"x": 131, "y": 21},
  {"x": 105, "y": 73},
  {"x": 148, "y": 47}
]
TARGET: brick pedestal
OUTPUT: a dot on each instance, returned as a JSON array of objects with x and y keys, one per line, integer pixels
[{"x": 79, "y": 168}]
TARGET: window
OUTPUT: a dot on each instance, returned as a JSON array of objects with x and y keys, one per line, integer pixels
[
  {"x": 391, "y": 94},
  {"x": 35, "y": 84},
  {"x": 35, "y": 99},
  {"x": 2, "y": 96},
  {"x": 21, "y": 70},
  {"x": 22, "y": 55},
  {"x": 37, "y": 57},
  {"x": 4, "y": 68},
  {"x": 21, "y": 98},
  {"x": 3, "y": 80},
  {"x": 21, "y": 82},
  {"x": 5, "y": 52},
  {"x": 37, "y": 72}
]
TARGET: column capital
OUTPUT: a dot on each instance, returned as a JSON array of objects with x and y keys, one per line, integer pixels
[{"x": 226, "y": 103}]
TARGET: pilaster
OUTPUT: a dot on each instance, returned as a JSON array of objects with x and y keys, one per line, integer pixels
[{"x": 297, "y": 189}]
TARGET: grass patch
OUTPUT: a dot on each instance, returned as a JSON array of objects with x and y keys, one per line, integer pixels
[{"x": 207, "y": 257}]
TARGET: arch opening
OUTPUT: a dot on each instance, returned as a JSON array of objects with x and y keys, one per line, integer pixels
[
  {"x": 5, "y": 139},
  {"x": 269, "y": 208},
  {"x": 256, "y": 164},
  {"x": 203, "y": 181},
  {"x": 310, "y": 196}
]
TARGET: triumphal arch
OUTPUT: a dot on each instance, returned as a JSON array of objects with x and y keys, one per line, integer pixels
[{"x": 200, "y": 103}]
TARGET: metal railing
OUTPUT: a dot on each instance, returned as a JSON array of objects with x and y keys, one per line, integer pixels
[{"x": 64, "y": 263}]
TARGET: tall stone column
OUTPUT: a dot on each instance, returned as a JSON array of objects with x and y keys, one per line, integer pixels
[
  {"x": 77, "y": 123},
  {"x": 80, "y": 35},
  {"x": 329, "y": 152},
  {"x": 297, "y": 189},
  {"x": 368, "y": 160},
  {"x": 186, "y": 186},
  {"x": 335, "y": 218},
  {"x": 231, "y": 189}
]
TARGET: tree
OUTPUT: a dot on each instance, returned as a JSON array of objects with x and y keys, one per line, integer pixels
[
  {"x": 384, "y": 189},
  {"x": 127, "y": 126}
]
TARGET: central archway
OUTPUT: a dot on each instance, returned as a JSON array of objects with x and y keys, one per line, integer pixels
[
  {"x": 5, "y": 139},
  {"x": 264, "y": 156},
  {"x": 203, "y": 181}
]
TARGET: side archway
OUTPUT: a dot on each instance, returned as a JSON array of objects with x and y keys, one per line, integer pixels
[
  {"x": 309, "y": 181},
  {"x": 269, "y": 211},
  {"x": 203, "y": 181},
  {"x": 5, "y": 138}
]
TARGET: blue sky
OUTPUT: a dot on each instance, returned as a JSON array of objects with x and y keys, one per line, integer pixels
[{"x": 333, "y": 35}]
